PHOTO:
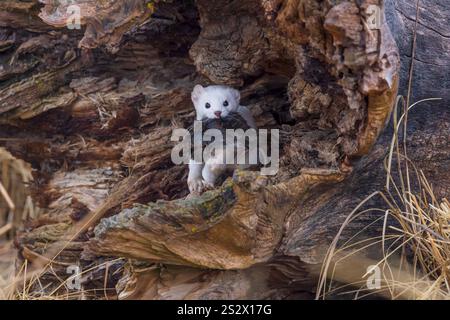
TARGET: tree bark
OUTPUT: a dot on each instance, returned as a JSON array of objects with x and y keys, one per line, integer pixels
[{"x": 92, "y": 111}]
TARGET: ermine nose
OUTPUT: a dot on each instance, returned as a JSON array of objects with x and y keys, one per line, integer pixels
[{"x": 218, "y": 114}]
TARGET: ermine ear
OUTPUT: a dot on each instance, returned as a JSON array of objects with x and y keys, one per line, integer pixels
[
  {"x": 236, "y": 95},
  {"x": 197, "y": 92}
]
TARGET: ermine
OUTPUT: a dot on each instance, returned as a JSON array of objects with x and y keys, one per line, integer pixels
[{"x": 217, "y": 107}]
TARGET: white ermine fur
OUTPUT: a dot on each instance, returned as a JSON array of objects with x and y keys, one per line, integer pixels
[{"x": 214, "y": 102}]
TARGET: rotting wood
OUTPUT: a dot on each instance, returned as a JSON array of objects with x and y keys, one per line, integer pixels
[{"x": 95, "y": 125}]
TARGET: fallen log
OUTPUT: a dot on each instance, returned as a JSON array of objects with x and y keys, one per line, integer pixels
[{"x": 92, "y": 111}]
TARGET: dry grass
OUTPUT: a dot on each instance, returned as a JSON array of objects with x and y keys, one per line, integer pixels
[
  {"x": 15, "y": 206},
  {"x": 28, "y": 285},
  {"x": 7, "y": 255},
  {"x": 415, "y": 239},
  {"x": 15, "y": 202}
]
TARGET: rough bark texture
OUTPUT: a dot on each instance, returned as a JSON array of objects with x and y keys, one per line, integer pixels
[
  {"x": 430, "y": 75},
  {"x": 92, "y": 111}
]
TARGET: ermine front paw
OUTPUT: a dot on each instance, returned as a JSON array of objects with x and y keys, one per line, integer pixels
[
  {"x": 207, "y": 185},
  {"x": 196, "y": 186}
]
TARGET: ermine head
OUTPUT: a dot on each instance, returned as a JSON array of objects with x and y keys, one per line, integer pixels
[{"x": 215, "y": 102}]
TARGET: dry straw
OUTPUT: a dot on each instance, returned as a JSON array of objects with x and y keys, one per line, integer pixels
[
  {"x": 415, "y": 238},
  {"x": 415, "y": 250}
]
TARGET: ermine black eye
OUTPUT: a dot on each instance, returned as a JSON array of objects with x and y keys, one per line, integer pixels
[
  {"x": 225, "y": 103},
  {"x": 207, "y": 105}
]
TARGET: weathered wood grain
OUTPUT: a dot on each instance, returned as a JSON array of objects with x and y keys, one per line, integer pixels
[{"x": 92, "y": 111}]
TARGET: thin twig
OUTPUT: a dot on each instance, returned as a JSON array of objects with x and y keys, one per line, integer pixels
[{"x": 6, "y": 196}]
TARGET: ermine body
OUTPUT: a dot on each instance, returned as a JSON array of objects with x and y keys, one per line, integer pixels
[{"x": 217, "y": 107}]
